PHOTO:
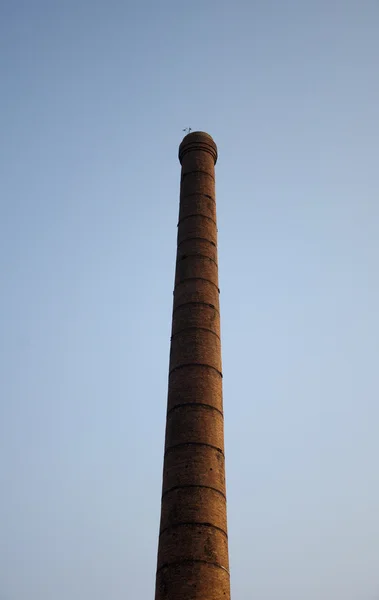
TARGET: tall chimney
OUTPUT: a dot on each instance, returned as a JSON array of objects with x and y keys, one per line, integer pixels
[{"x": 193, "y": 544}]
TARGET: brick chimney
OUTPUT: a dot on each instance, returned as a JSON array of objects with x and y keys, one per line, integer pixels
[{"x": 193, "y": 543}]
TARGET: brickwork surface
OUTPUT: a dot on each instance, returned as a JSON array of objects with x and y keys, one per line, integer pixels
[{"x": 193, "y": 545}]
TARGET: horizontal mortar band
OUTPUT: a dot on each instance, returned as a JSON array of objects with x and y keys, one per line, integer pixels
[
  {"x": 203, "y": 239},
  {"x": 191, "y": 561},
  {"x": 195, "y": 404},
  {"x": 193, "y": 485},
  {"x": 193, "y": 524},
  {"x": 198, "y": 147},
  {"x": 200, "y": 444},
  {"x": 198, "y": 194},
  {"x": 198, "y": 254},
  {"x": 197, "y": 279},
  {"x": 195, "y": 327},
  {"x": 195, "y": 365},
  {"x": 196, "y": 215},
  {"x": 197, "y": 171},
  {"x": 195, "y": 303}
]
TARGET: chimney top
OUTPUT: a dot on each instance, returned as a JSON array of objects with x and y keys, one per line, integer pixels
[{"x": 198, "y": 140}]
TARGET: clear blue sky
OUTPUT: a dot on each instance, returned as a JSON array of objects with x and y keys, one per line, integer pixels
[{"x": 94, "y": 97}]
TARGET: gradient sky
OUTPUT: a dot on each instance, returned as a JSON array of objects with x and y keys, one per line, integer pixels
[{"x": 94, "y": 97}]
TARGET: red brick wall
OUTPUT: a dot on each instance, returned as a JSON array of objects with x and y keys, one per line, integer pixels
[{"x": 193, "y": 544}]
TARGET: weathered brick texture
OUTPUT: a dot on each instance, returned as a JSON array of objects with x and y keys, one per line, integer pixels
[
  {"x": 197, "y": 204},
  {"x": 193, "y": 465},
  {"x": 193, "y": 559},
  {"x": 197, "y": 245},
  {"x": 201, "y": 385},
  {"x": 195, "y": 424},
  {"x": 191, "y": 504},
  {"x": 192, "y": 580},
  {"x": 193, "y": 541},
  {"x": 199, "y": 290},
  {"x": 197, "y": 225}
]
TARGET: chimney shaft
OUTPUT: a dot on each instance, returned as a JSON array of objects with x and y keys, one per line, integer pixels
[{"x": 193, "y": 544}]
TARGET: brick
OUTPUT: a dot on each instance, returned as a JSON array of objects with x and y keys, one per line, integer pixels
[
  {"x": 194, "y": 465},
  {"x": 193, "y": 542},
  {"x": 197, "y": 346},
  {"x": 195, "y": 384},
  {"x": 195, "y": 424},
  {"x": 193, "y": 562},
  {"x": 197, "y": 581},
  {"x": 188, "y": 505},
  {"x": 196, "y": 315},
  {"x": 200, "y": 204}
]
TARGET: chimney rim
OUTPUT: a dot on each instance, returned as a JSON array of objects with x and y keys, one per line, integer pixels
[{"x": 195, "y": 141}]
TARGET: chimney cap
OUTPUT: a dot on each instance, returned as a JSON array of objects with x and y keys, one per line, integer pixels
[{"x": 198, "y": 140}]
